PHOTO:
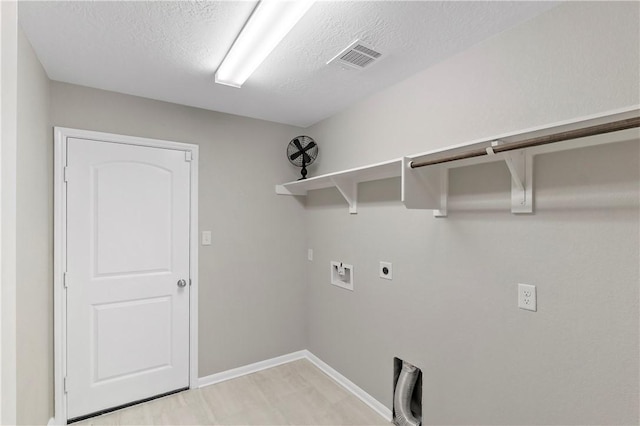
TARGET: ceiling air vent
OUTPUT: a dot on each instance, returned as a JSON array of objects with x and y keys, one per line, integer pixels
[{"x": 356, "y": 55}]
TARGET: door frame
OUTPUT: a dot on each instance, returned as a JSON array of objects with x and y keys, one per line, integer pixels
[{"x": 59, "y": 249}]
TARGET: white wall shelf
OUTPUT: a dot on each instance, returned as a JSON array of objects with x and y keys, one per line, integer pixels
[
  {"x": 427, "y": 187},
  {"x": 345, "y": 181}
]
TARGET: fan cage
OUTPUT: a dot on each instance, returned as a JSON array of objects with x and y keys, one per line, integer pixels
[{"x": 302, "y": 151}]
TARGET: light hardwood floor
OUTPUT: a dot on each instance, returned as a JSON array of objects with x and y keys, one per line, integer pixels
[{"x": 297, "y": 393}]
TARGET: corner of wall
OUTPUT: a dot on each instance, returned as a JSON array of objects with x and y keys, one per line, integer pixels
[
  {"x": 8, "y": 129},
  {"x": 34, "y": 239}
]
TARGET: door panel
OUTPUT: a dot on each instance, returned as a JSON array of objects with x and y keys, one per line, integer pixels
[
  {"x": 116, "y": 212},
  {"x": 127, "y": 247},
  {"x": 145, "y": 346}
]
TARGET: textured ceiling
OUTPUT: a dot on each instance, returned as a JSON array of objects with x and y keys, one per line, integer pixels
[{"x": 170, "y": 50}]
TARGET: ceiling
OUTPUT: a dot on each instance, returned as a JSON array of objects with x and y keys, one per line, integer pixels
[{"x": 169, "y": 51}]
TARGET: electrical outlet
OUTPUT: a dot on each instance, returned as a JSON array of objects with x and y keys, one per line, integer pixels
[
  {"x": 385, "y": 270},
  {"x": 527, "y": 297},
  {"x": 309, "y": 254}
]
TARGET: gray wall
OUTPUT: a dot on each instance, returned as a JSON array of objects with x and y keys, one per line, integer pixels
[
  {"x": 451, "y": 308},
  {"x": 251, "y": 278},
  {"x": 34, "y": 248},
  {"x": 8, "y": 131}
]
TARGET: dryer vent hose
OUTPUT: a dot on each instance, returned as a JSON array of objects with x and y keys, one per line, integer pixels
[{"x": 402, "y": 396}]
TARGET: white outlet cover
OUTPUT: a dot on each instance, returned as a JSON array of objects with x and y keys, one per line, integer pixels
[
  {"x": 527, "y": 297},
  {"x": 389, "y": 274}
]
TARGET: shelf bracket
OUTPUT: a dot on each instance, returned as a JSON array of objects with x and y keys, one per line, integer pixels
[
  {"x": 425, "y": 188},
  {"x": 444, "y": 193},
  {"x": 349, "y": 190},
  {"x": 283, "y": 190},
  {"x": 520, "y": 165}
]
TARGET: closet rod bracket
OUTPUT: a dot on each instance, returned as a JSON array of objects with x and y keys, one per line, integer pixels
[{"x": 520, "y": 165}]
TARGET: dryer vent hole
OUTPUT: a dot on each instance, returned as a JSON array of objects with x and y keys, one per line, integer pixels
[{"x": 407, "y": 394}]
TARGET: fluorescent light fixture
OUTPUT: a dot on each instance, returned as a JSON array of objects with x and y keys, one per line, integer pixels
[{"x": 268, "y": 24}]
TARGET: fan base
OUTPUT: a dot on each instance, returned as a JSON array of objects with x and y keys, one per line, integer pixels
[{"x": 303, "y": 172}]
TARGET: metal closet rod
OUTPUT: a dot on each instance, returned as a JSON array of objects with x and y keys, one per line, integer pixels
[{"x": 599, "y": 129}]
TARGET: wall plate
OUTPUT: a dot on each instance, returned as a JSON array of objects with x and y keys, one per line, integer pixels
[
  {"x": 527, "y": 297},
  {"x": 342, "y": 275},
  {"x": 385, "y": 270}
]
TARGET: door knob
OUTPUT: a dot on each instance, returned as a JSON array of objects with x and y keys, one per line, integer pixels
[{"x": 182, "y": 283}]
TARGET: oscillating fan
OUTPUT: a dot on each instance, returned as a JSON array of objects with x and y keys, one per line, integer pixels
[{"x": 301, "y": 152}]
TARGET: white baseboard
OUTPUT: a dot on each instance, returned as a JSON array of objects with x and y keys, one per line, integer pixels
[
  {"x": 356, "y": 390},
  {"x": 376, "y": 405},
  {"x": 251, "y": 368},
  {"x": 52, "y": 422}
]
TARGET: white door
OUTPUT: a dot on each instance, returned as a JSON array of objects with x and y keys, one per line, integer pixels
[{"x": 127, "y": 250}]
